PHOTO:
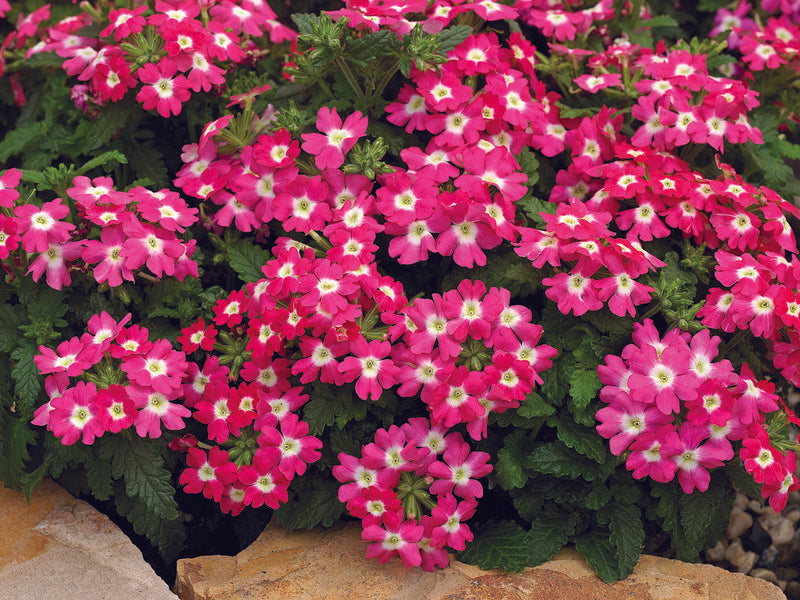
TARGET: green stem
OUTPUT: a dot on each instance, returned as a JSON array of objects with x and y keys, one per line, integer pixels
[
  {"x": 386, "y": 79},
  {"x": 325, "y": 87},
  {"x": 734, "y": 342},
  {"x": 348, "y": 74},
  {"x": 652, "y": 311}
]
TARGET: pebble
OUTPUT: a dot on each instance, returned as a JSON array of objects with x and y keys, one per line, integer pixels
[
  {"x": 743, "y": 560},
  {"x": 764, "y": 574},
  {"x": 756, "y": 539},
  {"x": 717, "y": 553},
  {"x": 740, "y": 522},
  {"x": 769, "y": 558},
  {"x": 793, "y": 590},
  {"x": 781, "y": 530},
  {"x": 793, "y": 515}
]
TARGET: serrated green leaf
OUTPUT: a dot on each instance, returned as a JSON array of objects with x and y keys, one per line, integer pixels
[
  {"x": 98, "y": 477},
  {"x": 361, "y": 51},
  {"x": 533, "y": 207},
  {"x": 247, "y": 259},
  {"x": 138, "y": 462},
  {"x": 163, "y": 311},
  {"x": 49, "y": 307},
  {"x": 556, "y": 380},
  {"x": 660, "y": 21},
  {"x": 502, "y": 544},
  {"x": 742, "y": 479},
  {"x": 550, "y": 531},
  {"x": 146, "y": 160},
  {"x": 535, "y": 406},
  {"x": 316, "y": 503},
  {"x": 27, "y": 380},
  {"x": 600, "y": 553},
  {"x": 627, "y": 534},
  {"x": 598, "y": 496},
  {"x": 11, "y": 317},
  {"x": 626, "y": 493},
  {"x": 583, "y": 386},
  {"x": 530, "y": 166},
  {"x": 166, "y": 534},
  {"x": 16, "y": 140},
  {"x": 509, "y": 468},
  {"x": 320, "y": 410},
  {"x": 453, "y": 36},
  {"x": 555, "y": 458},
  {"x": 112, "y": 156},
  {"x": 583, "y": 439},
  {"x": 528, "y": 502},
  {"x": 15, "y": 437},
  {"x": 705, "y": 515}
]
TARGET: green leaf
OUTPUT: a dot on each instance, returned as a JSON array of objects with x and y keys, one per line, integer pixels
[
  {"x": 453, "y": 36},
  {"x": 660, "y": 21},
  {"x": 316, "y": 502},
  {"x": 583, "y": 386},
  {"x": 502, "y": 544},
  {"x": 361, "y": 51},
  {"x": 742, "y": 479},
  {"x": 556, "y": 380},
  {"x": 535, "y": 406},
  {"x": 320, "y": 410},
  {"x": 98, "y": 477},
  {"x": 627, "y": 534},
  {"x": 705, "y": 515},
  {"x": 16, "y": 140},
  {"x": 530, "y": 166},
  {"x": 48, "y": 307},
  {"x": 533, "y": 207},
  {"x": 247, "y": 259},
  {"x": 166, "y": 534},
  {"x": 15, "y": 437},
  {"x": 11, "y": 317},
  {"x": 555, "y": 458},
  {"x": 600, "y": 553},
  {"x": 580, "y": 438},
  {"x": 112, "y": 156},
  {"x": 113, "y": 117},
  {"x": 509, "y": 468},
  {"x": 145, "y": 159},
  {"x": 139, "y": 463},
  {"x": 550, "y": 531},
  {"x": 27, "y": 380},
  {"x": 598, "y": 497}
]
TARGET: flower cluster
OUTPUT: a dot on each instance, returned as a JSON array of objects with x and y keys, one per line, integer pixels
[
  {"x": 762, "y": 45},
  {"x": 673, "y": 410},
  {"x": 126, "y": 380},
  {"x": 405, "y": 473},
  {"x": 164, "y": 52},
  {"x": 136, "y": 229}
]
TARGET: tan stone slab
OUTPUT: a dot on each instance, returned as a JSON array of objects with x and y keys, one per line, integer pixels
[
  {"x": 61, "y": 547},
  {"x": 330, "y": 565}
]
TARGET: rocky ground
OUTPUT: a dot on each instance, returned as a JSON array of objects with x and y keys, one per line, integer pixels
[{"x": 762, "y": 543}]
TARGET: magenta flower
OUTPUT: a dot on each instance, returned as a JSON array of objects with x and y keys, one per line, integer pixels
[
  {"x": 163, "y": 90},
  {"x": 336, "y": 139}
]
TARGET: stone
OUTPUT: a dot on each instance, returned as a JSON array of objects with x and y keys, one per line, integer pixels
[
  {"x": 740, "y": 522},
  {"x": 793, "y": 590},
  {"x": 717, "y": 553},
  {"x": 756, "y": 539},
  {"x": 742, "y": 559},
  {"x": 781, "y": 531},
  {"x": 330, "y": 564},
  {"x": 64, "y": 548}
]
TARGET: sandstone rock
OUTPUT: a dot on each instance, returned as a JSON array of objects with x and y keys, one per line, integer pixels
[
  {"x": 60, "y": 547},
  {"x": 330, "y": 565}
]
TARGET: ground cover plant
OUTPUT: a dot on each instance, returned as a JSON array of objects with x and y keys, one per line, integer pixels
[{"x": 490, "y": 278}]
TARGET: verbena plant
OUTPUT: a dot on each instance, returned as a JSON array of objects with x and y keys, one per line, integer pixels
[{"x": 490, "y": 278}]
